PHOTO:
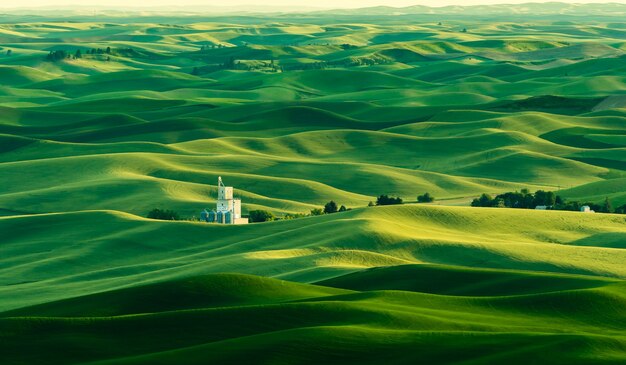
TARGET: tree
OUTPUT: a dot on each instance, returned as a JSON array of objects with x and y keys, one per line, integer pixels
[
  {"x": 258, "y": 216},
  {"x": 426, "y": 198},
  {"x": 371, "y": 204},
  {"x": 547, "y": 198},
  {"x": 485, "y": 200},
  {"x": 621, "y": 209},
  {"x": 317, "y": 211},
  {"x": 386, "y": 200},
  {"x": 166, "y": 215},
  {"x": 78, "y": 54},
  {"x": 558, "y": 200},
  {"x": 343, "y": 208},
  {"x": 606, "y": 206},
  {"x": 330, "y": 207},
  {"x": 108, "y": 50},
  {"x": 9, "y": 53}
]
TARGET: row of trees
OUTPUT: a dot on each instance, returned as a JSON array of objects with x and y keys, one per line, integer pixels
[
  {"x": 524, "y": 199},
  {"x": 99, "y": 51},
  {"x": 60, "y": 54},
  {"x": 232, "y": 64},
  {"x": 206, "y": 47},
  {"x": 164, "y": 214},
  {"x": 389, "y": 200},
  {"x": 329, "y": 208},
  {"x": 257, "y": 216},
  {"x": 332, "y": 207}
]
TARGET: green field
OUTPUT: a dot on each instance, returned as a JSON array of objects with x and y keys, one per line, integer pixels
[{"x": 294, "y": 110}]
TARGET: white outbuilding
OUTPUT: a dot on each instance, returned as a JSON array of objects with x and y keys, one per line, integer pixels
[{"x": 586, "y": 209}]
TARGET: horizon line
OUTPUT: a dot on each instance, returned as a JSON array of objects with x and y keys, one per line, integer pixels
[{"x": 292, "y": 7}]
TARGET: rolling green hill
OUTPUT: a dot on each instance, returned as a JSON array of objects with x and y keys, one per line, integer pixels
[{"x": 295, "y": 110}]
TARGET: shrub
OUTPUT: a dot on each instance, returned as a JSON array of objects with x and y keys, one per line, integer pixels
[
  {"x": 258, "y": 216},
  {"x": 426, "y": 198},
  {"x": 165, "y": 215},
  {"x": 317, "y": 211}
]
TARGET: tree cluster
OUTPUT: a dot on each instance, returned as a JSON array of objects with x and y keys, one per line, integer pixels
[
  {"x": 206, "y": 47},
  {"x": 166, "y": 215},
  {"x": 620, "y": 209},
  {"x": 387, "y": 200},
  {"x": 258, "y": 216},
  {"x": 58, "y": 55},
  {"x": 347, "y": 46},
  {"x": 289, "y": 216},
  {"x": 604, "y": 207},
  {"x": 99, "y": 51},
  {"x": 518, "y": 199},
  {"x": 526, "y": 200},
  {"x": 331, "y": 207},
  {"x": 426, "y": 198}
]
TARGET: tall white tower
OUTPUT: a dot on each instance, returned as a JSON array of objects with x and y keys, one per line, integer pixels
[
  {"x": 225, "y": 201},
  {"x": 227, "y": 205},
  {"x": 228, "y": 210}
]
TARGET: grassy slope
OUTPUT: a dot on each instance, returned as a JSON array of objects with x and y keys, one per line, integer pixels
[
  {"x": 279, "y": 321},
  {"x": 76, "y": 253}
]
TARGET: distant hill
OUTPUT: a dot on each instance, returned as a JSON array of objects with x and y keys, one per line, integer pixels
[
  {"x": 532, "y": 9},
  {"x": 610, "y": 9}
]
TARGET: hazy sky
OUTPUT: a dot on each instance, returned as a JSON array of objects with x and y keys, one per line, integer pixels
[{"x": 316, "y": 3}]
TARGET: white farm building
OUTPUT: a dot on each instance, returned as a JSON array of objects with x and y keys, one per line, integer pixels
[{"x": 228, "y": 209}]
